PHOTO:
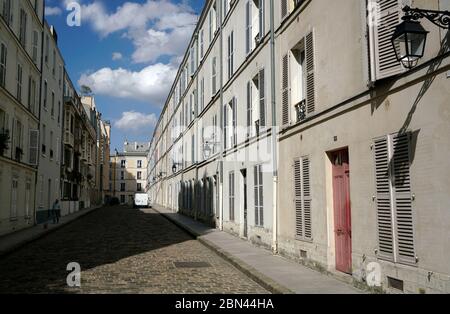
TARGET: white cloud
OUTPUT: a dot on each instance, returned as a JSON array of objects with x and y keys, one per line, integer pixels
[
  {"x": 156, "y": 28},
  {"x": 136, "y": 122},
  {"x": 116, "y": 56},
  {"x": 50, "y": 11},
  {"x": 151, "y": 84}
]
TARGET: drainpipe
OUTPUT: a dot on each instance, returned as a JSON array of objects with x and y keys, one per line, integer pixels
[
  {"x": 274, "y": 131},
  {"x": 219, "y": 16}
]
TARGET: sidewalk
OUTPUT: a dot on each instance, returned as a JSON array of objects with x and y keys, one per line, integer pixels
[
  {"x": 14, "y": 241},
  {"x": 275, "y": 273}
]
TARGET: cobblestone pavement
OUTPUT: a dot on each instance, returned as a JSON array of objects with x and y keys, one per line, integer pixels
[{"x": 120, "y": 250}]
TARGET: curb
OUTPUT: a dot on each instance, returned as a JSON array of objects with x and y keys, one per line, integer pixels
[
  {"x": 251, "y": 272},
  {"x": 38, "y": 236}
]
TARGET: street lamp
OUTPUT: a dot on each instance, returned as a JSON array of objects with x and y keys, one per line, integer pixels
[{"x": 409, "y": 38}]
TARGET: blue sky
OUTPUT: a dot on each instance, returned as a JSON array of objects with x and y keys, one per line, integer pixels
[{"x": 128, "y": 53}]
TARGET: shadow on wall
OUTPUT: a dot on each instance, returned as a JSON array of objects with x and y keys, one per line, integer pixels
[{"x": 101, "y": 238}]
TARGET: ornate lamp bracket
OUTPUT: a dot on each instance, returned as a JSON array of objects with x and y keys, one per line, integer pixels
[{"x": 438, "y": 18}]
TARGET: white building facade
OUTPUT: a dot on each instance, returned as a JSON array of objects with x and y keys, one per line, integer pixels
[
  {"x": 21, "y": 28},
  {"x": 312, "y": 139}
]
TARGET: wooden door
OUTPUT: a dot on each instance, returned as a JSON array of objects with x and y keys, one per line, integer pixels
[{"x": 342, "y": 211}]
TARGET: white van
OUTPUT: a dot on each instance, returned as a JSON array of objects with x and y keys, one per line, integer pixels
[{"x": 141, "y": 200}]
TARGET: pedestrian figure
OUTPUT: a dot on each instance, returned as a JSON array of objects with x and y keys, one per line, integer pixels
[{"x": 56, "y": 212}]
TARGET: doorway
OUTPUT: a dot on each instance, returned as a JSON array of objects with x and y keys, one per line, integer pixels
[
  {"x": 245, "y": 209},
  {"x": 342, "y": 210}
]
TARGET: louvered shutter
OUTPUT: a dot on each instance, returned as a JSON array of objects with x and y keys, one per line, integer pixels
[
  {"x": 285, "y": 90},
  {"x": 383, "y": 201},
  {"x": 310, "y": 76},
  {"x": 261, "y": 196},
  {"x": 262, "y": 101},
  {"x": 306, "y": 198},
  {"x": 384, "y": 16},
  {"x": 225, "y": 125},
  {"x": 302, "y": 192},
  {"x": 248, "y": 29},
  {"x": 234, "y": 104},
  {"x": 256, "y": 189},
  {"x": 402, "y": 198},
  {"x": 249, "y": 109},
  {"x": 34, "y": 147},
  {"x": 284, "y": 8},
  {"x": 298, "y": 198}
]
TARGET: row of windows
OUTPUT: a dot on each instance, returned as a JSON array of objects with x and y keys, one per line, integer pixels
[
  {"x": 123, "y": 164},
  {"x": 123, "y": 187}
]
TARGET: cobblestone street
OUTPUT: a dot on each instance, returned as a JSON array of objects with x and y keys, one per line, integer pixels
[{"x": 121, "y": 250}]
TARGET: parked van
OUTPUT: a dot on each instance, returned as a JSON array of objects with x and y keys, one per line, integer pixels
[{"x": 141, "y": 200}]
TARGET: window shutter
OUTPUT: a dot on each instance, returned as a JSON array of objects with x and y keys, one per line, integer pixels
[
  {"x": 402, "y": 198},
  {"x": 248, "y": 35},
  {"x": 298, "y": 198},
  {"x": 302, "y": 191},
  {"x": 261, "y": 19},
  {"x": 394, "y": 198},
  {"x": 310, "y": 88},
  {"x": 249, "y": 108},
  {"x": 262, "y": 101},
  {"x": 234, "y": 104},
  {"x": 255, "y": 181},
  {"x": 284, "y": 8},
  {"x": 285, "y": 90},
  {"x": 383, "y": 190},
  {"x": 225, "y": 125},
  {"x": 384, "y": 16},
  {"x": 34, "y": 147}
]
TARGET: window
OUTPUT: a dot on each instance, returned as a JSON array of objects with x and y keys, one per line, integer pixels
[
  {"x": 122, "y": 163},
  {"x": 257, "y": 99},
  {"x": 249, "y": 109},
  {"x": 122, "y": 175},
  {"x": 230, "y": 55},
  {"x": 254, "y": 21},
  {"x": 193, "y": 59},
  {"x": 139, "y": 187},
  {"x": 214, "y": 76},
  {"x": 4, "y": 53},
  {"x": 248, "y": 26},
  {"x": 302, "y": 192},
  {"x": 35, "y": 46},
  {"x": 45, "y": 95},
  {"x": 122, "y": 199},
  {"x": 2, "y": 121},
  {"x": 122, "y": 187},
  {"x": 14, "y": 189},
  {"x": 59, "y": 112},
  {"x": 51, "y": 145},
  {"x": 6, "y": 12},
  {"x": 231, "y": 196},
  {"x": 23, "y": 27},
  {"x": 259, "y": 200},
  {"x": 19, "y": 82},
  {"x": 44, "y": 148},
  {"x": 394, "y": 198},
  {"x": 54, "y": 63},
  {"x": 139, "y": 163},
  {"x": 33, "y": 147},
  {"x": 52, "y": 111},
  {"x": 202, "y": 40},
  {"x": 202, "y": 94},
  {"x": 18, "y": 134},
  {"x": 32, "y": 92},
  {"x": 47, "y": 48},
  {"x": 139, "y": 175},
  {"x": 288, "y": 6}
]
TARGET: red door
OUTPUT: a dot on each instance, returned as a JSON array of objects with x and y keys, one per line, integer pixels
[{"x": 342, "y": 211}]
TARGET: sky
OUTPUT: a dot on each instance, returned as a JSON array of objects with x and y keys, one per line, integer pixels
[{"x": 128, "y": 53}]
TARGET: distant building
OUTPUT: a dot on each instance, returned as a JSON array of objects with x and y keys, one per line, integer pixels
[{"x": 129, "y": 171}]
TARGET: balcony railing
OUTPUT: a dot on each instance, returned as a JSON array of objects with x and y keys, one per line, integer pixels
[{"x": 300, "y": 110}]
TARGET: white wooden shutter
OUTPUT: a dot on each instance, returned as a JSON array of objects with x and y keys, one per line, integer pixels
[
  {"x": 225, "y": 125},
  {"x": 262, "y": 101},
  {"x": 249, "y": 109},
  {"x": 384, "y": 16},
  {"x": 302, "y": 192},
  {"x": 248, "y": 29},
  {"x": 285, "y": 90},
  {"x": 394, "y": 198},
  {"x": 234, "y": 107},
  {"x": 34, "y": 147},
  {"x": 383, "y": 199},
  {"x": 403, "y": 198},
  {"x": 310, "y": 76}
]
